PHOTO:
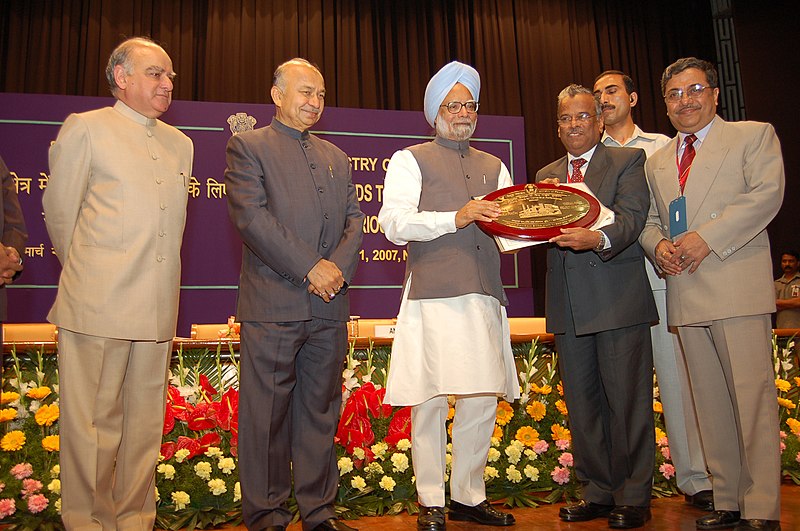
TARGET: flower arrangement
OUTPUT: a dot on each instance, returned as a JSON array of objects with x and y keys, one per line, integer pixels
[{"x": 529, "y": 461}]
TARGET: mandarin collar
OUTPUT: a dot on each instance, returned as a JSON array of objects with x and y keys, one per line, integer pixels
[
  {"x": 461, "y": 146},
  {"x": 130, "y": 114},
  {"x": 289, "y": 131}
]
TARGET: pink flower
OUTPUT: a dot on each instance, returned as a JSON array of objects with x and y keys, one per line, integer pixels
[
  {"x": 540, "y": 447},
  {"x": 37, "y": 503},
  {"x": 783, "y": 446},
  {"x": 667, "y": 470},
  {"x": 798, "y": 457},
  {"x": 560, "y": 475},
  {"x": 663, "y": 441},
  {"x": 2, "y": 486},
  {"x": 562, "y": 444},
  {"x": 30, "y": 486},
  {"x": 783, "y": 434},
  {"x": 22, "y": 470},
  {"x": 565, "y": 459},
  {"x": 665, "y": 452},
  {"x": 7, "y": 507}
]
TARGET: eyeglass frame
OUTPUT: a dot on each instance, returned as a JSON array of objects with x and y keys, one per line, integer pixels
[
  {"x": 695, "y": 90},
  {"x": 461, "y": 104},
  {"x": 582, "y": 118}
]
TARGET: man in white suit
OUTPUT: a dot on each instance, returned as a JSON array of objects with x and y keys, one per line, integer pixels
[
  {"x": 707, "y": 230},
  {"x": 115, "y": 208}
]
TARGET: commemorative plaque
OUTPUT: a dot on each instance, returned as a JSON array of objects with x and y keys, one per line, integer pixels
[{"x": 538, "y": 212}]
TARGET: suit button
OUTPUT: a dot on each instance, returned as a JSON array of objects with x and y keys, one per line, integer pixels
[
  {"x": 592, "y": 263},
  {"x": 325, "y": 244},
  {"x": 159, "y": 181},
  {"x": 326, "y": 215},
  {"x": 467, "y": 176},
  {"x": 321, "y": 190},
  {"x": 149, "y": 134},
  {"x": 162, "y": 233},
  {"x": 313, "y": 166},
  {"x": 160, "y": 258},
  {"x": 155, "y": 157},
  {"x": 479, "y": 247},
  {"x": 163, "y": 206},
  {"x": 713, "y": 215}
]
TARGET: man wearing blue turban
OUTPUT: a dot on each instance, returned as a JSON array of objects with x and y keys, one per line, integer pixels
[{"x": 452, "y": 336}]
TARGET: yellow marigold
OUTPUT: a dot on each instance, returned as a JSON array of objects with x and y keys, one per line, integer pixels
[
  {"x": 8, "y": 397},
  {"x": 504, "y": 413},
  {"x": 527, "y": 436},
  {"x": 12, "y": 441},
  {"x": 794, "y": 425},
  {"x": 8, "y": 414},
  {"x": 451, "y": 412},
  {"x": 543, "y": 390},
  {"x": 497, "y": 433},
  {"x": 536, "y": 410},
  {"x": 658, "y": 407},
  {"x": 51, "y": 443},
  {"x": 560, "y": 389},
  {"x": 660, "y": 433},
  {"x": 782, "y": 385},
  {"x": 796, "y": 381},
  {"x": 785, "y": 402},
  {"x": 47, "y": 415},
  {"x": 38, "y": 393},
  {"x": 560, "y": 433},
  {"x": 561, "y": 406}
]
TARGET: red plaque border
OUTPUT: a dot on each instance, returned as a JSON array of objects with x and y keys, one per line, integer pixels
[{"x": 496, "y": 229}]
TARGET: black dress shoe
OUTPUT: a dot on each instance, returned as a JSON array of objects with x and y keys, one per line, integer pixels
[
  {"x": 430, "y": 519},
  {"x": 628, "y": 517},
  {"x": 483, "y": 513},
  {"x": 702, "y": 500},
  {"x": 583, "y": 511},
  {"x": 718, "y": 520},
  {"x": 333, "y": 524},
  {"x": 748, "y": 525}
]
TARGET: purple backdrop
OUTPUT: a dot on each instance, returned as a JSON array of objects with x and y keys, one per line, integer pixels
[{"x": 211, "y": 248}]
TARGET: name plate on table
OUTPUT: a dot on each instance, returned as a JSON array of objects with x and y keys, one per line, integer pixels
[
  {"x": 384, "y": 330},
  {"x": 538, "y": 212}
]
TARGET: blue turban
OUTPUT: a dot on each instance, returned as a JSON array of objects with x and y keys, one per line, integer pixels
[{"x": 443, "y": 82}]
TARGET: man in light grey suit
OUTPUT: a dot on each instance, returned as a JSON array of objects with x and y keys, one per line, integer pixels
[
  {"x": 707, "y": 230},
  {"x": 292, "y": 200},
  {"x": 115, "y": 208},
  {"x": 600, "y": 307}
]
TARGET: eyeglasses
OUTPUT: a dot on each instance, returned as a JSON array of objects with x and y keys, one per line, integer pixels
[
  {"x": 454, "y": 107},
  {"x": 581, "y": 118},
  {"x": 691, "y": 92}
]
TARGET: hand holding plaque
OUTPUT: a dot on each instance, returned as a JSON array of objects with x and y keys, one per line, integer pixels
[{"x": 538, "y": 212}]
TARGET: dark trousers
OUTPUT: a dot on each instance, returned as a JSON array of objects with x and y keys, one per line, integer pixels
[
  {"x": 608, "y": 386},
  {"x": 290, "y": 396}
]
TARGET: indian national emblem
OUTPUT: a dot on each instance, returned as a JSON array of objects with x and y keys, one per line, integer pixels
[{"x": 241, "y": 122}]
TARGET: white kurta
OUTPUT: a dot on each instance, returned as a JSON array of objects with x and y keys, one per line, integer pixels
[{"x": 456, "y": 345}]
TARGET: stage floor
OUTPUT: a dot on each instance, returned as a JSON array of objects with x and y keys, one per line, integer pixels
[{"x": 669, "y": 514}]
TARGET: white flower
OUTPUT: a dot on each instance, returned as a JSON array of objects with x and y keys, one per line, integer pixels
[
  {"x": 379, "y": 449},
  {"x": 226, "y": 464},
  {"x": 359, "y": 454},
  {"x": 167, "y": 470},
  {"x": 237, "y": 492},
  {"x": 181, "y": 454},
  {"x": 55, "y": 471},
  {"x": 158, "y": 495},
  {"x": 494, "y": 455},
  {"x": 358, "y": 483},
  {"x": 495, "y": 442},
  {"x": 213, "y": 451},
  {"x": 180, "y": 499},
  {"x": 514, "y": 453},
  {"x": 217, "y": 486},
  {"x": 490, "y": 472},
  {"x": 403, "y": 445},
  {"x": 55, "y": 486},
  {"x": 524, "y": 397},
  {"x": 530, "y": 454},
  {"x": 532, "y": 473},
  {"x": 345, "y": 465},
  {"x": 57, "y": 505},
  {"x": 513, "y": 474},
  {"x": 374, "y": 468},
  {"x": 400, "y": 462},
  {"x": 448, "y": 460},
  {"x": 203, "y": 470},
  {"x": 387, "y": 483}
]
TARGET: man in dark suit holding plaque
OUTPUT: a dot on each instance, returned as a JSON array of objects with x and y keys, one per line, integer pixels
[
  {"x": 13, "y": 235},
  {"x": 600, "y": 307},
  {"x": 292, "y": 200}
]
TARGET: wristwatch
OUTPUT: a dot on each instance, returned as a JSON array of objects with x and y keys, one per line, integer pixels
[{"x": 602, "y": 244}]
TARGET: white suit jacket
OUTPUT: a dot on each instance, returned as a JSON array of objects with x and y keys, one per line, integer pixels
[{"x": 115, "y": 209}]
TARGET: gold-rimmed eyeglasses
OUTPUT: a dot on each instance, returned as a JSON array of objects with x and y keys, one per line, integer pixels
[
  {"x": 581, "y": 117},
  {"x": 691, "y": 92},
  {"x": 454, "y": 107}
]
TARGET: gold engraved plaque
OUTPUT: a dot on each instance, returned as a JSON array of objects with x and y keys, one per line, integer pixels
[{"x": 540, "y": 211}]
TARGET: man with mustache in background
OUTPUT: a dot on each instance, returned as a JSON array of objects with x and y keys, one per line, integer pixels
[{"x": 618, "y": 97}]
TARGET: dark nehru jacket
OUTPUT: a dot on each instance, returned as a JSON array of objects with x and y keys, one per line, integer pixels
[{"x": 466, "y": 261}]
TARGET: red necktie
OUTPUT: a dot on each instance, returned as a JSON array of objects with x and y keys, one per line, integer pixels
[
  {"x": 577, "y": 176},
  {"x": 686, "y": 160}
]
